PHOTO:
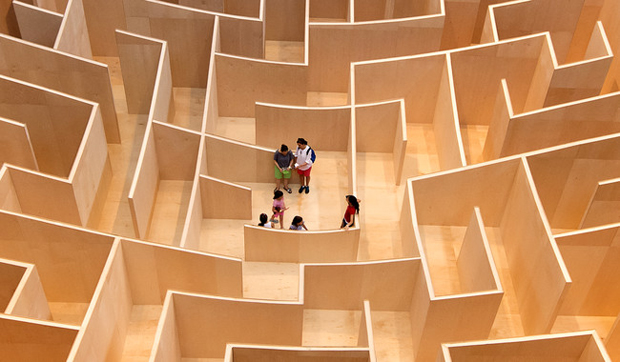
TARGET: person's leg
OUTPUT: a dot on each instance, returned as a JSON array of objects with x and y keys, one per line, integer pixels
[
  {"x": 278, "y": 176},
  {"x": 308, "y": 181},
  {"x": 277, "y": 184},
  {"x": 281, "y": 221},
  {"x": 286, "y": 180},
  {"x": 301, "y": 180}
]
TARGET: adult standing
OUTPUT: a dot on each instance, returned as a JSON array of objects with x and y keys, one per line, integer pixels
[
  {"x": 283, "y": 160},
  {"x": 304, "y": 157}
]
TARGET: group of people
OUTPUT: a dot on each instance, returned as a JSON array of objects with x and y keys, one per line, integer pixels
[{"x": 301, "y": 161}]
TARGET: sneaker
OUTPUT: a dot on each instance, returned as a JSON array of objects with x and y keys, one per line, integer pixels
[
  {"x": 301, "y": 189},
  {"x": 289, "y": 190},
  {"x": 307, "y": 189},
  {"x": 274, "y": 221}
]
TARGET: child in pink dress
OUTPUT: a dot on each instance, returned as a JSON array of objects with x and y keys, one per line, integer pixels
[{"x": 278, "y": 208}]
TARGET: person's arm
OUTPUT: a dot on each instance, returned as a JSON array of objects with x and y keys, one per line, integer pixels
[
  {"x": 290, "y": 165},
  {"x": 303, "y": 224},
  {"x": 278, "y": 166},
  {"x": 348, "y": 225}
]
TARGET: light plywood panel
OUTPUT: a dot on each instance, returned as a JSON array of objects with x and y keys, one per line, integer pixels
[
  {"x": 459, "y": 26},
  {"x": 144, "y": 185},
  {"x": 15, "y": 145},
  {"x": 388, "y": 285},
  {"x": 244, "y": 163},
  {"x": 574, "y": 82},
  {"x": 416, "y": 80},
  {"x": 591, "y": 257},
  {"x": 36, "y": 24},
  {"x": 376, "y": 126},
  {"x": 139, "y": 57},
  {"x": 166, "y": 346},
  {"x": 475, "y": 263},
  {"x": 177, "y": 151},
  {"x": 486, "y": 187},
  {"x": 243, "y": 82},
  {"x": 612, "y": 342},
  {"x": 73, "y": 33},
  {"x": 603, "y": 207},
  {"x": 29, "y": 300},
  {"x": 478, "y": 71},
  {"x": 329, "y": 9},
  {"x": 609, "y": 18},
  {"x": 326, "y": 128},
  {"x": 269, "y": 245},
  {"x": 26, "y": 340},
  {"x": 59, "y": 71},
  {"x": 107, "y": 319},
  {"x": 400, "y": 144},
  {"x": 450, "y": 149},
  {"x": 332, "y": 47},
  {"x": 10, "y": 277},
  {"x": 285, "y": 20},
  {"x": 217, "y": 320},
  {"x": 224, "y": 200},
  {"x": 577, "y": 346},
  {"x": 8, "y": 197},
  {"x": 536, "y": 266},
  {"x": 153, "y": 270},
  {"x": 69, "y": 260},
  {"x": 240, "y": 353},
  {"x": 500, "y": 123},
  {"x": 103, "y": 19}
]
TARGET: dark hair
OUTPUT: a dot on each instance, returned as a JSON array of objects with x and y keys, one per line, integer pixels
[
  {"x": 277, "y": 194},
  {"x": 353, "y": 201},
  {"x": 263, "y": 219},
  {"x": 284, "y": 148},
  {"x": 302, "y": 141},
  {"x": 296, "y": 220}
]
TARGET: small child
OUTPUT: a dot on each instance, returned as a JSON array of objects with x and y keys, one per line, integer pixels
[
  {"x": 298, "y": 224},
  {"x": 278, "y": 207},
  {"x": 263, "y": 221}
]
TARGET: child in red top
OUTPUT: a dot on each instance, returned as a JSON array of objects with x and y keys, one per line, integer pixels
[{"x": 353, "y": 207}]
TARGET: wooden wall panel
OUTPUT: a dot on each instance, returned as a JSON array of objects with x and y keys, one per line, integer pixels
[
  {"x": 177, "y": 151},
  {"x": 475, "y": 263},
  {"x": 25, "y": 340},
  {"x": 73, "y": 34},
  {"x": 329, "y": 9},
  {"x": 612, "y": 342},
  {"x": 107, "y": 319},
  {"x": 69, "y": 260},
  {"x": 313, "y": 354},
  {"x": 603, "y": 207},
  {"x": 500, "y": 123},
  {"x": 8, "y": 197},
  {"x": 224, "y": 200},
  {"x": 327, "y": 129},
  {"x": 139, "y": 58},
  {"x": 485, "y": 186},
  {"x": 56, "y": 70},
  {"x": 536, "y": 266},
  {"x": 15, "y": 145},
  {"x": 399, "y": 151},
  {"x": 10, "y": 277},
  {"x": 244, "y": 163},
  {"x": 332, "y": 47},
  {"x": 103, "y": 19},
  {"x": 388, "y": 285},
  {"x": 9, "y": 24},
  {"x": 446, "y": 125},
  {"x": 166, "y": 345},
  {"x": 243, "y": 82},
  {"x": 416, "y": 80},
  {"x": 478, "y": 71},
  {"x": 285, "y": 20},
  {"x": 376, "y": 126},
  {"x": 144, "y": 185},
  {"x": 176, "y": 269},
  {"x": 591, "y": 258},
  {"x": 36, "y": 24},
  {"x": 217, "y": 320},
  {"x": 29, "y": 300},
  {"x": 459, "y": 26},
  {"x": 285, "y": 246},
  {"x": 91, "y": 164},
  {"x": 575, "y": 82}
]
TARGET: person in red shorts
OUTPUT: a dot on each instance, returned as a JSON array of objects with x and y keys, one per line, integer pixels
[
  {"x": 353, "y": 207},
  {"x": 304, "y": 157}
]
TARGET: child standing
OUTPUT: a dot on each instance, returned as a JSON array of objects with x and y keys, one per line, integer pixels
[
  {"x": 278, "y": 208},
  {"x": 353, "y": 207}
]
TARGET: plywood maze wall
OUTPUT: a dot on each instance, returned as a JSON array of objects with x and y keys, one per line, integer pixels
[{"x": 481, "y": 136}]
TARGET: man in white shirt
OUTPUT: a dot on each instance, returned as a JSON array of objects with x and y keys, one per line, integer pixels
[{"x": 303, "y": 163}]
